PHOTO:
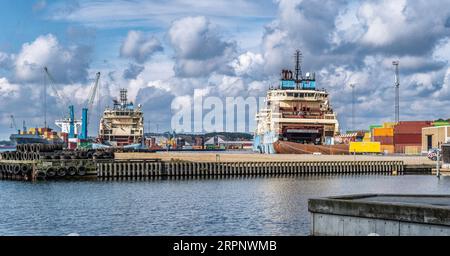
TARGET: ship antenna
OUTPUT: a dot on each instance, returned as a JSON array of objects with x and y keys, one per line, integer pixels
[{"x": 298, "y": 66}]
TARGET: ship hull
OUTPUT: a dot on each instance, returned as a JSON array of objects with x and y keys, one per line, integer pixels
[
  {"x": 267, "y": 144},
  {"x": 32, "y": 139},
  {"x": 18, "y": 139},
  {"x": 287, "y": 147}
]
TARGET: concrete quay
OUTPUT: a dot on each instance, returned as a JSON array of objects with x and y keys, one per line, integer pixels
[
  {"x": 179, "y": 168},
  {"x": 172, "y": 164},
  {"x": 380, "y": 214},
  {"x": 254, "y": 157}
]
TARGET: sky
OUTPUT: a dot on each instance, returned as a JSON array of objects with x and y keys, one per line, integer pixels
[{"x": 163, "y": 50}]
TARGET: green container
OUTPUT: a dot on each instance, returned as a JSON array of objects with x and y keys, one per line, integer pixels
[
  {"x": 441, "y": 123},
  {"x": 87, "y": 145},
  {"x": 371, "y": 127}
]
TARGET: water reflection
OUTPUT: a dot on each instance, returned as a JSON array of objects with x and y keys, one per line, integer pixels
[{"x": 239, "y": 205}]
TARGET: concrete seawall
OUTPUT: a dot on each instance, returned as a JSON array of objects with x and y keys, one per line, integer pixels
[
  {"x": 151, "y": 165},
  {"x": 194, "y": 169},
  {"x": 385, "y": 215}
]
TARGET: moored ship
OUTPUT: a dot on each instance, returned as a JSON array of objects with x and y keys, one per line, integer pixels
[
  {"x": 298, "y": 117},
  {"x": 36, "y": 136},
  {"x": 123, "y": 124}
]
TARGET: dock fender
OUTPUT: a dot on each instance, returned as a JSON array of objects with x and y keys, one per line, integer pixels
[
  {"x": 25, "y": 169},
  {"x": 72, "y": 171},
  {"x": 61, "y": 171},
  {"x": 16, "y": 169},
  {"x": 81, "y": 170},
  {"x": 51, "y": 172}
]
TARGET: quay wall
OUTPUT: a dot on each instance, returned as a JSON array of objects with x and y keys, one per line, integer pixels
[
  {"x": 137, "y": 165},
  {"x": 383, "y": 215},
  {"x": 206, "y": 169}
]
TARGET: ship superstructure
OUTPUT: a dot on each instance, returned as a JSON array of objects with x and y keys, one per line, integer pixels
[
  {"x": 123, "y": 124},
  {"x": 297, "y": 118}
]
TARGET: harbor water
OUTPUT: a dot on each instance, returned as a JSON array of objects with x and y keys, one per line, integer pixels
[{"x": 225, "y": 206}]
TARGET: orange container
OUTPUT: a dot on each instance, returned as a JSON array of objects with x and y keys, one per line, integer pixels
[
  {"x": 389, "y": 149},
  {"x": 382, "y": 132}
]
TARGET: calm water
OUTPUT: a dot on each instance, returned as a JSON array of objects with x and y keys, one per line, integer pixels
[{"x": 234, "y": 206}]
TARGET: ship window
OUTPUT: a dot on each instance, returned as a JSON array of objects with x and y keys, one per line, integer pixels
[
  {"x": 290, "y": 94},
  {"x": 302, "y": 95}
]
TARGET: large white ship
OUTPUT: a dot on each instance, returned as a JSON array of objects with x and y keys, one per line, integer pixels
[
  {"x": 298, "y": 117},
  {"x": 123, "y": 124}
]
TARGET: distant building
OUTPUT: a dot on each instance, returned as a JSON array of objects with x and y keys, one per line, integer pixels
[
  {"x": 433, "y": 137},
  {"x": 220, "y": 142}
]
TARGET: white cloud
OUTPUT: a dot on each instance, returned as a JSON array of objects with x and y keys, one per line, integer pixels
[
  {"x": 199, "y": 48},
  {"x": 7, "y": 89},
  {"x": 228, "y": 86},
  {"x": 249, "y": 63},
  {"x": 139, "y": 47},
  {"x": 5, "y": 60},
  {"x": 132, "y": 71},
  {"x": 442, "y": 50},
  {"x": 66, "y": 64}
]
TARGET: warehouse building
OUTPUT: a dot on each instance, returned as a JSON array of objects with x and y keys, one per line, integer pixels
[{"x": 433, "y": 137}]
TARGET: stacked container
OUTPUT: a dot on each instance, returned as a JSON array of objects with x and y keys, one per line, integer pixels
[
  {"x": 389, "y": 124},
  {"x": 386, "y": 138},
  {"x": 441, "y": 123},
  {"x": 408, "y": 136},
  {"x": 373, "y": 126},
  {"x": 367, "y": 137}
]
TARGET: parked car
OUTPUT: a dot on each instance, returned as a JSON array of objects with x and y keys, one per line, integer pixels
[{"x": 433, "y": 154}]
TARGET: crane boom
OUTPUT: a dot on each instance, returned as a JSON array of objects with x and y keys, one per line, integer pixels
[
  {"x": 13, "y": 122},
  {"x": 61, "y": 97},
  {"x": 65, "y": 102},
  {"x": 93, "y": 91},
  {"x": 86, "y": 110}
]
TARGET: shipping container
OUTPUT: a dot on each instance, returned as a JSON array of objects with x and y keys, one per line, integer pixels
[
  {"x": 402, "y": 148},
  {"x": 387, "y": 149},
  {"x": 408, "y": 138},
  {"x": 373, "y": 126},
  {"x": 72, "y": 145},
  {"x": 411, "y": 127},
  {"x": 441, "y": 123},
  {"x": 364, "y": 147},
  {"x": 413, "y": 150},
  {"x": 389, "y": 124},
  {"x": 383, "y": 132},
  {"x": 384, "y": 140}
]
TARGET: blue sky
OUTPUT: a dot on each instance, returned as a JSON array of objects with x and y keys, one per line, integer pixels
[{"x": 163, "y": 50}]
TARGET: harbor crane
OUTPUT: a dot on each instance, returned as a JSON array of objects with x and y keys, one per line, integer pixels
[
  {"x": 13, "y": 122},
  {"x": 86, "y": 110},
  {"x": 65, "y": 102}
]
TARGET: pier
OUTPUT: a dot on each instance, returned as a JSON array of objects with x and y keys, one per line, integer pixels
[
  {"x": 384, "y": 215},
  {"x": 144, "y": 168},
  {"x": 157, "y": 165}
]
